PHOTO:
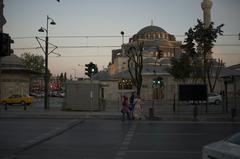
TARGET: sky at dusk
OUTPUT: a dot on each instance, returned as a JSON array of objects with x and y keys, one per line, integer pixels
[{"x": 88, "y": 30}]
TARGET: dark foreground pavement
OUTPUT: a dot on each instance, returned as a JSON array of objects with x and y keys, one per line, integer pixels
[{"x": 108, "y": 139}]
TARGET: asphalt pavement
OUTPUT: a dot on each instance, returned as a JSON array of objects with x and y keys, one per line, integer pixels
[
  {"x": 108, "y": 139},
  {"x": 54, "y": 133}
]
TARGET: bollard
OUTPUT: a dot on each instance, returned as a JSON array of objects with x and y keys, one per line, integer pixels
[
  {"x": 233, "y": 113},
  {"x": 151, "y": 112},
  {"x": 25, "y": 107},
  {"x": 6, "y": 108}
]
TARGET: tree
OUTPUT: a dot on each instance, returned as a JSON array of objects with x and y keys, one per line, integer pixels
[
  {"x": 213, "y": 73},
  {"x": 197, "y": 56},
  {"x": 61, "y": 78},
  {"x": 180, "y": 69},
  {"x": 205, "y": 39},
  {"x": 65, "y": 76},
  {"x": 135, "y": 64},
  {"x": 33, "y": 62}
]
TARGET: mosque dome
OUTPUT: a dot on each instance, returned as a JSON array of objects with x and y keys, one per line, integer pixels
[
  {"x": 152, "y": 33},
  {"x": 150, "y": 29}
]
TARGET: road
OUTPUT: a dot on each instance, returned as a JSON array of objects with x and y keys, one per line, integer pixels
[{"x": 108, "y": 139}]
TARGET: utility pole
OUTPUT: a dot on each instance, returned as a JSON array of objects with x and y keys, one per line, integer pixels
[{"x": 46, "y": 74}]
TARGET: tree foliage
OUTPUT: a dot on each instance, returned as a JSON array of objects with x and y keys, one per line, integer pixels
[
  {"x": 33, "y": 62},
  {"x": 135, "y": 64},
  {"x": 196, "y": 61},
  {"x": 180, "y": 69}
]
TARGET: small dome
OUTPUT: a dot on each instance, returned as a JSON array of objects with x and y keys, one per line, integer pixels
[
  {"x": 12, "y": 59},
  {"x": 13, "y": 62},
  {"x": 149, "y": 29}
]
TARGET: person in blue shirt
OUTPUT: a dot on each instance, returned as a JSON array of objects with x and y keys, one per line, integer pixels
[{"x": 132, "y": 105}]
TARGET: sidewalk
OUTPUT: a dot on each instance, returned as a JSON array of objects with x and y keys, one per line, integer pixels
[{"x": 56, "y": 113}]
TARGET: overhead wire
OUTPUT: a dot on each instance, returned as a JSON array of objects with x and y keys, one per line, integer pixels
[{"x": 104, "y": 36}]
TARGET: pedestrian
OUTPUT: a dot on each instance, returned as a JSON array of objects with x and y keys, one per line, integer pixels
[
  {"x": 125, "y": 108},
  {"x": 132, "y": 105},
  {"x": 138, "y": 111}
]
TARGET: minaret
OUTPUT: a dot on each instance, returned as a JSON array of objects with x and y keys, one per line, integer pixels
[{"x": 206, "y": 7}]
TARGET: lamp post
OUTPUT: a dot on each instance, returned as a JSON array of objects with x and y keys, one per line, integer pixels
[
  {"x": 75, "y": 77},
  {"x": 46, "y": 74},
  {"x": 122, "y": 33}
]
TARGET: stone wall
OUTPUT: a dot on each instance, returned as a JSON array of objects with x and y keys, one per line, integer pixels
[{"x": 14, "y": 83}]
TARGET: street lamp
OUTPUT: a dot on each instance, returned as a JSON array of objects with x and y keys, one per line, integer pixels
[
  {"x": 122, "y": 33},
  {"x": 46, "y": 75}
]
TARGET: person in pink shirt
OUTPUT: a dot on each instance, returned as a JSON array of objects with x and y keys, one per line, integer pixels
[{"x": 125, "y": 108}]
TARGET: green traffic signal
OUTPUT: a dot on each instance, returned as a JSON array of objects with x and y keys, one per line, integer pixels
[
  {"x": 158, "y": 82},
  {"x": 91, "y": 69}
]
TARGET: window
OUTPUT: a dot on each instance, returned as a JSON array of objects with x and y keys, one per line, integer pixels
[{"x": 125, "y": 84}]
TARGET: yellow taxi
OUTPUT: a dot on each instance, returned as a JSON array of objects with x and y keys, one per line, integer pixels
[{"x": 17, "y": 99}]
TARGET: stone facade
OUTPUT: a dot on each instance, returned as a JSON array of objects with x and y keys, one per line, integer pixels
[{"x": 15, "y": 78}]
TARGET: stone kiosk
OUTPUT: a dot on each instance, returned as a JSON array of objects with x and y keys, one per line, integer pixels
[{"x": 15, "y": 77}]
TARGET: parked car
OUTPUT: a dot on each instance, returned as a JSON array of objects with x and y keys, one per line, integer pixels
[
  {"x": 53, "y": 94},
  {"x": 214, "y": 98},
  {"x": 37, "y": 94},
  {"x": 228, "y": 148},
  {"x": 62, "y": 94},
  {"x": 17, "y": 99}
]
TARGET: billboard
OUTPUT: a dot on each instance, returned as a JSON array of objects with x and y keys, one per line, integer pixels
[{"x": 192, "y": 92}]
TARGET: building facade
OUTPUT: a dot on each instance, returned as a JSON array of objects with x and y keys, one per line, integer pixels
[{"x": 159, "y": 47}]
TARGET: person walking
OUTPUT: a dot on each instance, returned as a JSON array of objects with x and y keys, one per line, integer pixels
[
  {"x": 125, "y": 108},
  {"x": 138, "y": 111},
  {"x": 132, "y": 105}
]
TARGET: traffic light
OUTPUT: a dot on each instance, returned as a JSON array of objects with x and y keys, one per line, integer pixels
[
  {"x": 154, "y": 82},
  {"x": 86, "y": 70},
  {"x": 158, "y": 82},
  {"x": 5, "y": 41},
  {"x": 91, "y": 69}
]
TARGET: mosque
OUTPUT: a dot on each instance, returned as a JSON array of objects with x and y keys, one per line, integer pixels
[{"x": 156, "y": 41}]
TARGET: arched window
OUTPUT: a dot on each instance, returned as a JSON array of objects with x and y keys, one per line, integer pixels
[{"x": 154, "y": 36}]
